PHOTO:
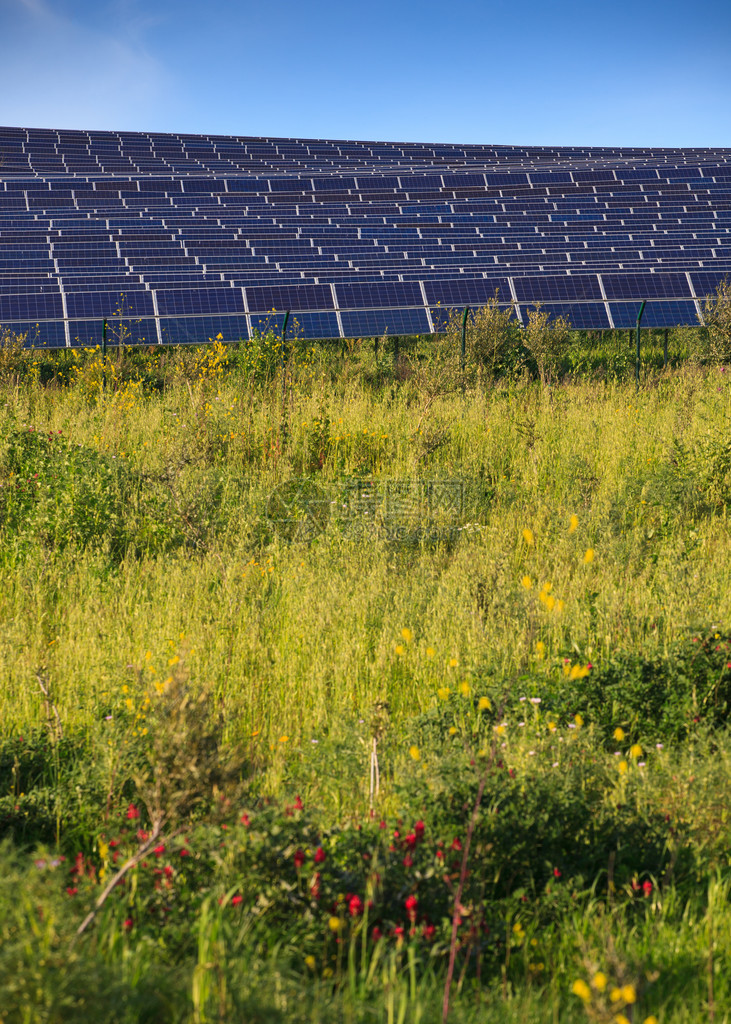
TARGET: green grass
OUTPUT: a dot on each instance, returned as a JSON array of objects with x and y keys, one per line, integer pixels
[{"x": 144, "y": 550}]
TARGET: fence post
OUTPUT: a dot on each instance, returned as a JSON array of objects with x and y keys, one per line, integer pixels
[
  {"x": 284, "y": 338},
  {"x": 464, "y": 337},
  {"x": 284, "y": 382},
  {"x": 637, "y": 361}
]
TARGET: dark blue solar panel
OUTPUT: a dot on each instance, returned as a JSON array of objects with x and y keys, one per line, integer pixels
[
  {"x": 356, "y": 296},
  {"x": 29, "y": 306},
  {"x": 301, "y": 325},
  {"x": 506, "y": 180},
  {"x": 41, "y": 335},
  {"x": 132, "y": 331},
  {"x": 645, "y": 286},
  {"x": 581, "y": 315},
  {"x": 375, "y": 323},
  {"x": 706, "y": 282},
  {"x": 196, "y": 330},
  {"x": 468, "y": 292},
  {"x": 289, "y": 298},
  {"x": 550, "y": 288},
  {"x": 550, "y": 178},
  {"x": 657, "y": 314},
  {"x": 100, "y": 304},
  {"x": 178, "y": 301}
]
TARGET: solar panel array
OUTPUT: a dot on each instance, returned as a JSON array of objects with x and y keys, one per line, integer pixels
[{"x": 183, "y": 237}]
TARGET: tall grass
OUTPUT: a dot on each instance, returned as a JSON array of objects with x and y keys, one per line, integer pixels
[{"x": 148, "y": 548}]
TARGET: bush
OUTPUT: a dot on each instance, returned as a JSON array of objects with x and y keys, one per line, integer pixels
[
  {"x": 717, "y": 318},
  {"x": 545, "y": 338}
]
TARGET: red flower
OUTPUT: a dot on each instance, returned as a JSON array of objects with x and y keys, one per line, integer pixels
[
  {"x": 412, "y": 905},
  {"x": 408, "y": 861},
  {"x": 376, "y": 934},
  {"x": 132, "y": 812},
  {"x": 245, "y": 820},
  {"x": 236, "y": 900},
  {"x": 556, "y": 873},
  {"x": 298, "y": 804},
  {"x": 185, "y": 853},
  {"x": 419, "y": 829},
  {"x": 71, "y": 890},
  {"x": 142, "y": 835},
  {"x": 299, "y": 859},
  {"x": 128, "y": 923},
  {"x": 440, "y": 854},
  {"x": 456, "y": 844},
  {"x": 168, "y": 871},
  {"x": 410, "y": 840},
  {"x": 320, "y": 855},
  {"x": 647, "y": 887},
  {"x": 355, "y": 906},
  {"x": 429, "y": 932},
  {"x": 159, "y": 850}
]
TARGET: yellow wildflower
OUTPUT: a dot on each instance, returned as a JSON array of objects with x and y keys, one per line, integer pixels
[
  {"x": 628, "y": 994},
  {"x": 582, "y": 990}
]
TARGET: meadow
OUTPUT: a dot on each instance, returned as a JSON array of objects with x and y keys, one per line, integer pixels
[{"x": 346, "y": 685}]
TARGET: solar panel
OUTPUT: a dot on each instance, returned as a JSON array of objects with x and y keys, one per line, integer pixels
[
  {"x": 194, "y": 329},
  {"x": 657, "y": 314},
  {"x": 646, "y": 286},
  {"x": 176, "y": 302},
  {"x": 394, "y": 227}
]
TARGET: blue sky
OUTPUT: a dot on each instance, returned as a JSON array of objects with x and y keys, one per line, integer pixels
[{"x": 558, "y": 72}]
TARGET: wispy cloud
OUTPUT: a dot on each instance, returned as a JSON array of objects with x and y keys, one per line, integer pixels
[{"x": 72, "y": 72}]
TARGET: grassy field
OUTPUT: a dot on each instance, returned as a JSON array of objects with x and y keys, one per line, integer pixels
[{"x": 395, "y": 692}]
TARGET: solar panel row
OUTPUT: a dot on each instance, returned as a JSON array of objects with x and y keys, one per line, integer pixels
[{"x": 359, "y": 237}]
